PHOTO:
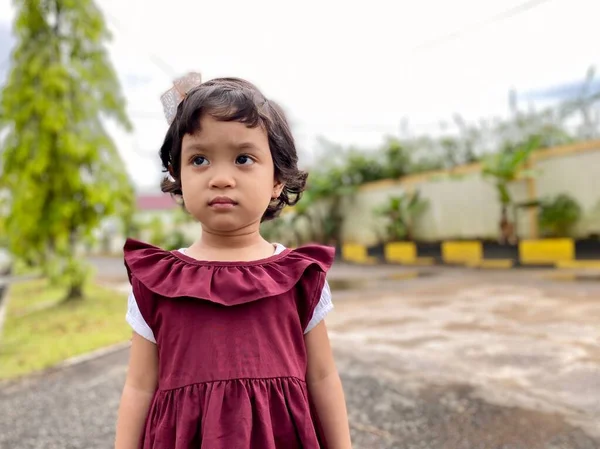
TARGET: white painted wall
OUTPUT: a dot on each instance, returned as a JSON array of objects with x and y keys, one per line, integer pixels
[
  {"x": 466, "y": 206},
  {"x": 578, "y": 175}
]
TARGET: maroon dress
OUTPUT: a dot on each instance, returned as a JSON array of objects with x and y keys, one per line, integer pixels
[{"x": 230, "y": 340}]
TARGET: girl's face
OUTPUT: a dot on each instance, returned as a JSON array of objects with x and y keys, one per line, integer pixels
[{"x": 227, "y": 175}]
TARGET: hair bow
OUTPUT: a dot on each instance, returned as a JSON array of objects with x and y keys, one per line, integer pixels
[{"x": 176, "y": 94}]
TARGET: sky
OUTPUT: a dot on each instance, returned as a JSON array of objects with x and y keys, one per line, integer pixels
[{"x": 347, "y": 71}]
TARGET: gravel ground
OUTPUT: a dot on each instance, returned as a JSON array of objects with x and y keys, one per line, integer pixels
[{"x": 75, "y": 408}]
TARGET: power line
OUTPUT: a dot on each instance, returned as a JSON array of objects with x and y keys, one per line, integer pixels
[{"x": 504, "y": 15}]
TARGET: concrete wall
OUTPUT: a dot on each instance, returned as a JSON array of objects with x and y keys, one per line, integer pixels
[
  {"x": 578, "y": 174},
  {"x": 463, "y": 205}
]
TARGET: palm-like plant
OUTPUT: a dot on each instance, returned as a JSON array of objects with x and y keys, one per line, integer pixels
[
  {"x": 505, "y": 167},
  {"x": 402, "y": 212}
]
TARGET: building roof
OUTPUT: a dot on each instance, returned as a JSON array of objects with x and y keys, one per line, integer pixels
[{"x": 155, "y": 202}]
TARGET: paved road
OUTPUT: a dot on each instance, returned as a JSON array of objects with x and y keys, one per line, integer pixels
[
  {"x": 469, "y": 359},
  {"x": 456, "y": 360}
]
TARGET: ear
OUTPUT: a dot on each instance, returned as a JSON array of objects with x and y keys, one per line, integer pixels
[{"x": 277, "y": 189}]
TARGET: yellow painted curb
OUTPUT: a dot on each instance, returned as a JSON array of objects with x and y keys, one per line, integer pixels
[
  {"x": 352, "y": 252},
  {"x": 546, "y": 251},
  {"x": 462, "y": 253},
  {"x": 401, "y": 252}
]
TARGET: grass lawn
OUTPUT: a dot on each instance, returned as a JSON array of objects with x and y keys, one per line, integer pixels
[{"x": 41, "y": 331}]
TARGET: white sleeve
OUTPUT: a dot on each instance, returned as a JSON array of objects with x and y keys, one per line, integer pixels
[
  {"x": 324, "y": 306},
  {"x": 136, "y": 320}
]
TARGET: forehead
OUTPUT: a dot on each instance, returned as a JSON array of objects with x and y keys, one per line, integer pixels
[{"x": 230, "y": 133}]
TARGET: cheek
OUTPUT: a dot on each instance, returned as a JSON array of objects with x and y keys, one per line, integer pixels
[
  {"x": 189, "y": 184},
  {"x": 263, "y": 181},
  {"x": 186, "y": 176}
]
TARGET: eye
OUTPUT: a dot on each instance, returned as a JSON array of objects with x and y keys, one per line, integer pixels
[
  {"x": 197, "y": 161},
  {"x": 244, "y": 159}
]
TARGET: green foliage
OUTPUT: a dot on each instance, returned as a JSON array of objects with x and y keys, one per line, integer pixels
[
  {"x": 401, "y": 213},
  {"x": 331, "y": 190},
  {"x": 3, "y": 235},
  {"x": 504, "y": 146},
  {"x": 132, "y": 228},
  {"x": 558, "y": 215},
  {"x": 304, "y": 218},
  {"x": 279, "y": 231},
  {"x": 42, "y": 330},
  {"x": 175, "y": 240},
  {"x": 333, "y": 185},
  {"x": 397, "y": 159},
  {"x": 60, "y": 168},
  {"x": 158, "y": 235},
  {"x": 182, "y": 216},
  {"x": 167, "y": 237},
  {"x": 507, "y": 165}
]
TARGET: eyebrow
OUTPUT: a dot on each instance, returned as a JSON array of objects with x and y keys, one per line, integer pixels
[
  {"x": 239, "y": 146},
  {"x": 247, "y": 146},
  {"x": 193, "y": 147}
]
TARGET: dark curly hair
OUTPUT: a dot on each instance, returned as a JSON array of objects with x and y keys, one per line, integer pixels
[{"x": 234, "y": 99}]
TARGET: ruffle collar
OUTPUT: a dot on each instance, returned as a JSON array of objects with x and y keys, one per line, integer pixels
[{"x": 173, "y": 274}]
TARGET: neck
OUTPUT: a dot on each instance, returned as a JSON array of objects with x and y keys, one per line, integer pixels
[
  {"x": 244, "y": 238},
  {"x": 241, "y": 244}
]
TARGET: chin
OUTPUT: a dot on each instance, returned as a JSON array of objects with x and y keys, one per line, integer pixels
[{"x": 224, "y": 224}]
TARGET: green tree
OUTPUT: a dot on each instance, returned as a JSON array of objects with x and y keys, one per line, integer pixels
[
  {"x": 397, "y": 159},
  {"x": 60, "y": 168}
]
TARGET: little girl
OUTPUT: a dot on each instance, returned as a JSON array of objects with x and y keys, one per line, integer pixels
[{"x": 230, "y": 350}]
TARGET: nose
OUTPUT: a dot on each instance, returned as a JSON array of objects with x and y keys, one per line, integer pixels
[{"x": 222, "y": 179}]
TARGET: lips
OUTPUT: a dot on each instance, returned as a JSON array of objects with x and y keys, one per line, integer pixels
[{"x": 222, "y": 201}]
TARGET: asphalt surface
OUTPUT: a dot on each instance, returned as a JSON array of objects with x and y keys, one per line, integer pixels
[
  {"x": 76, "y": 409},
  {"x": 451, "y": 360}
]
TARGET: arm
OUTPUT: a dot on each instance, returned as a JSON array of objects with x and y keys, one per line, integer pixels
[
  {"x": 326, "y": 389},
  {"x": 140, "y": 385}
]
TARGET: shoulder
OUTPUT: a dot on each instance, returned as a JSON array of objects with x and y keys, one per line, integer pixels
[
  {"x": 313, "y": 298},
  {"x": 309, "y": 259},
  {"x": 321, "y": 309},
  {"x": 136, "y": 319},
  {"x": 322, "y": 255}
]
